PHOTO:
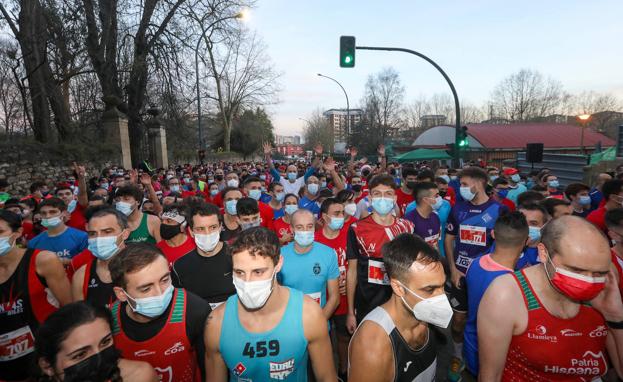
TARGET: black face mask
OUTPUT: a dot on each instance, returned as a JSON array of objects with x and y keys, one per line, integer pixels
[
  {"x": 365, "y": 173},
  {"x": 168, "y": 232},
  {"x": 442, "y": 193},
  {"x": 219, "y": 178},
  {"x": 411, "y": 185},
  {"x": 97, "y": 368},
  {"x": 356, "y": 188}
]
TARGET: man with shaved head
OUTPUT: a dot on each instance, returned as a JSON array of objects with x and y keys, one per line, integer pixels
[
  {"x": 309, "y": 266},
  {"x": 550, "y": 322}
]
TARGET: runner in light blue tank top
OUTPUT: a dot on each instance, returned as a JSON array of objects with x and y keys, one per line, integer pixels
[{"x": 279, "y": 354}]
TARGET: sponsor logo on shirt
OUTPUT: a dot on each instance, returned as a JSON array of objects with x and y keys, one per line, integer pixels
[
  {"x": 281, "y": 370},
  {"x": 316, "y": 269},
  {"x": 600, "y": 331},
  {"x": 93, "y": 283},
  {"x": 540, "y": 333},
  {"x": 11, "y": 308},
  {"x": 570, "y": 333},
  {"x": 239, "y": 369},
  {"x": 176, "y": 348},
  {"x": 64, "y": 254},
  {"x": 143, "y": 353},
  {"x": 164, "y": 375},
  {"x": 463, "y": 261},
  {"x": 589, "y": 364}
]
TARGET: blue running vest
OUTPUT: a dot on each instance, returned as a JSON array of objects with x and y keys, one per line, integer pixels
[{"x": 279, "y": 354}]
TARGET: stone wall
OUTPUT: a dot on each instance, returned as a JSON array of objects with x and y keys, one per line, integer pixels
[{"x": 21, "y": 164}]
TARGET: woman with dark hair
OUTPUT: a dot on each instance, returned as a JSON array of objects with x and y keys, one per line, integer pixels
[
  {"x": 283, "y": 229},
  {"x": 76, "y": 344}
]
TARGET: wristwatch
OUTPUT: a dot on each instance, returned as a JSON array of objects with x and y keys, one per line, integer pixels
[{"x": 615, "y": 325}]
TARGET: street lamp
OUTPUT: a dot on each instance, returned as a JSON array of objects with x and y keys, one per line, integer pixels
[
  {"x": 242, "y": 15},
  {"x": 584, "y": 119},
  {"x": 347, "y": 104}
]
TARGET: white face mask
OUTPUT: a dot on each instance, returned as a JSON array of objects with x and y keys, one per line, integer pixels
[
  {"x": 208, "y": 242},
  {"x": 233, "y": 183},
  {"x": 254, "y": 294},
  {"x": 435, "y": 310}
]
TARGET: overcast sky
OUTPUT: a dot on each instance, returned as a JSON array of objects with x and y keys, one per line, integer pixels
[{"x": 477, "y": 42}]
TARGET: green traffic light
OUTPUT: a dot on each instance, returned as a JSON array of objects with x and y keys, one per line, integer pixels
[{"x": 347, "y": 59}]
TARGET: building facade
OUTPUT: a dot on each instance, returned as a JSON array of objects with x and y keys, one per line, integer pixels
[
  {"x": 290, "y": 149},
  {"x": 287, "y": 139},
  {"x": 338, "y": 120}
]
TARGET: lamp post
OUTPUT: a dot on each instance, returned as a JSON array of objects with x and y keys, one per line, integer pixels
[
  {"x": 239, "y": 15},
  {"x": 347, "y": 104},
  {"x": 584, "y": 119}
]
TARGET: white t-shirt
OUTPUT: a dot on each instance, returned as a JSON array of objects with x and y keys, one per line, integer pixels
[{"x": 292, "y": 188}]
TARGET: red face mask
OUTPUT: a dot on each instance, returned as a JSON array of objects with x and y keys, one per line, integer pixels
[{"x": 576, "y": 286}]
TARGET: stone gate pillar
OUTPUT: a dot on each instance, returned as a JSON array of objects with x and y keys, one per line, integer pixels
[
  {"x": 157, "y": 140},
  {"x": 116, "y": 131}
]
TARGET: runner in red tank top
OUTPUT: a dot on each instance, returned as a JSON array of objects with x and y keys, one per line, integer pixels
[
  {"x": 153, "y": 321},
  {"x": 33, "y": 284},
  {"x": 334, "y": 234},
  {"x": 538, "y": 325}
]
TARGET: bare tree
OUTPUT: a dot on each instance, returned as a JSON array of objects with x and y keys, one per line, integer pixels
[
  {"x": 527, "y": 95},
  {"x": 242, "y": 73},
  {"x": 415, "y": 110},
  {"x": 383, "y": 100},
  {"x": 318, "y": 130}
]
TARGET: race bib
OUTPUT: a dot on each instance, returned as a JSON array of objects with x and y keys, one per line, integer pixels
[
  {"x": 315, "y": 296},
  {"x": 16, "y": 344},
  {"x": 433, "y": 241},
  {"x": 214, "y": 305},
  {"x": 473, "y": 235},
  {"x": 376, "y": 273}
]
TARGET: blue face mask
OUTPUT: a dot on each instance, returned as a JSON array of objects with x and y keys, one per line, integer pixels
[
  {"x": 382, "y": 206},
  {"x": 71, "y": 207},
  {"x": 534, "y": 233},
  {"x": 553, "y": 184},
  {"x": 292, "y": 176},
  {"x": 262, "y": 177},
  {"x": 280, "y": 196},
  {"x": 152, "y": 306},
  {"x": 502, "y": 193},
  {"x": 515, "y": 178},
  {"x": 445, "y": 177},
  {"x": 312, "y": 188},
  {"x": 255, "y": 194},
  {"x": 175, "y": 188},
  {"x": 493, "y": 178},
  {"x": 230, "y": 207},
  {"x": 467, "y": 194},
  {"x": 5, "y": 246},
  {"x": 51, "y": 222},
  {"x": 585, "y": 200},
  {"x": 213, "y": 193},
  {"x": 438, "y": 203},
  {"x": 323, "y": 184},
  {"x": 304, "y": 238},
  {"x": 103, "y": 247},
  {"x": 336, "y": 223},
  {"x": 124, "y": 207},
  {"x": 291, "y": 208}
]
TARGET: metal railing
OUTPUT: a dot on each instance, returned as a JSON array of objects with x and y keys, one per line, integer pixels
[{"x": 569, "y": 168}]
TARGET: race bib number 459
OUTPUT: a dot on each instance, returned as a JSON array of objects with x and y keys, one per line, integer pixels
[
  {"x": 473, "y": 235},
  {"x": 376, "y": 273}
]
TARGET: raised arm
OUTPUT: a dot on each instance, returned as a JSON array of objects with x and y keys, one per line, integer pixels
[
  {"x": 151, "y": 192},
  {"x": 83, "y": 195},
  {"x": 51, "y": 269},
  {"x": 382, "y": 158},
  {"x": 329, "y": 165}
]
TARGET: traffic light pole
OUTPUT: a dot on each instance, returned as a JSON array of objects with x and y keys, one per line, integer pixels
[{"x": 458, "y": 149}]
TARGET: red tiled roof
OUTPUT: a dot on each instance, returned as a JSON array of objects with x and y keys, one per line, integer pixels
[{"x": 517, "y": 135}]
